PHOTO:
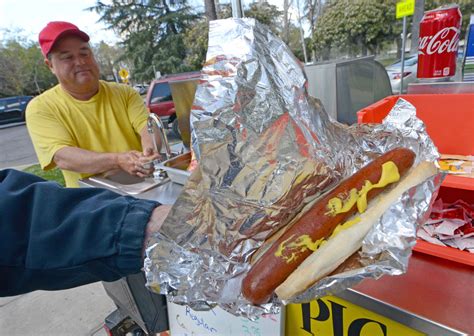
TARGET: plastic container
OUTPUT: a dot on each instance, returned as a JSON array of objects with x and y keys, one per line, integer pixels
[
  {"x": 449, "y": 120},
  {"x": 176, "y": 168}
]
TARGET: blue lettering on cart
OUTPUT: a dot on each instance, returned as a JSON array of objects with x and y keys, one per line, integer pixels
[{"x": 199, "y": 321}]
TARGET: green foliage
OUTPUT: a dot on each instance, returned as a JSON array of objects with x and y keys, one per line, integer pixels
[
  {"x": 466, "y": 7},
  {"x": 152, "y": 32},
  {"x": 294, "y": 42},
  {"x": 107, "y": 57},
  {"x": 50, "y": 175},
  {"x": 196, "y": 39},
  {"x": 22, "y": 69},
  {"x": 265, "y": 13},
  {"x": 387, "y": 61},
  {"x": 355, "y": 27}
]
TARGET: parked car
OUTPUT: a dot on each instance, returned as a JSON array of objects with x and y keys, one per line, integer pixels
[
  {"x": 12, "y": 109},
  {"x": 141, "y": 88},
  {"x": 409, "y": 73},
  {"x": 159, "y": 99}
]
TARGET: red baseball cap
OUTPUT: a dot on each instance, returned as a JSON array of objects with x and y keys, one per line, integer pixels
[{"x": 56, "y": 29}]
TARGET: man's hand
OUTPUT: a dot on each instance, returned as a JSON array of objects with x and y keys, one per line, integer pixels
[
  {"x": 130, "y": 162},
  {"x": 149, "y": 155},
  {"x": 157, "y": 219},
  {"x": 85, "y": 161},
  {"x": 145, "y": 161}
]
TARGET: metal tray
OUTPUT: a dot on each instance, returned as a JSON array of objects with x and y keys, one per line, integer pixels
[
  {"x": 132, "y": 185},
  {"x": 176, "y": 168}
]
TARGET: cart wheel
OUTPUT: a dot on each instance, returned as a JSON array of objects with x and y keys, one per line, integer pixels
[
  {"x": 136, "y": 331},
  {"x": 127, "y": 327}
]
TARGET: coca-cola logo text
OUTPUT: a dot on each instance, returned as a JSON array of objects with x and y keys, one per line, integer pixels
[{"x": 446, "y": 40}]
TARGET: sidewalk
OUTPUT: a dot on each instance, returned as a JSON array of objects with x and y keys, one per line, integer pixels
[
  {"x": 16, "y": 148},
  {"x": 78, "y": 311}
]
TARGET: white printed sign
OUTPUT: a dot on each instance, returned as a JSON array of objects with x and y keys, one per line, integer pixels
[{"x": 186, "y": 322}]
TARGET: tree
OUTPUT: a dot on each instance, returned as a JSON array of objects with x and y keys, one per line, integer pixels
[
  {"x": 466, "y": 7},
  {"x": 108, "y": 57},
  {"x": 265, "y": 13},
  {"x": 196, "y": 39},
  {"x": 210, "y": 10},
  {"x": 294, "y": 42},
  {"x": 152, "y": 32},
  {"x": 22, "y": 68},
  {"x": 285, "y": 34},
  {"x": 323, "y": 38},
  {"x": 355, "y": 27},
  {"x": 415, "y": 26},
  {"x": 10, "y": 81},
  {"x": 312, "y": 11}
]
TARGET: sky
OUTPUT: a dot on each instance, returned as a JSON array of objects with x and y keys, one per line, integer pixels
[{"x": 30, "y": 16}]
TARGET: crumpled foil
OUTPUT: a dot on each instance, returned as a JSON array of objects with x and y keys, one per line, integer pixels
[{"x": 265, "y": 149}]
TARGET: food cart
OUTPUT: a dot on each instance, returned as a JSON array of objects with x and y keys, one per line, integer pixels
[
  {"x": 438, "y": 284},
  {"x": 433, "y": 297}
]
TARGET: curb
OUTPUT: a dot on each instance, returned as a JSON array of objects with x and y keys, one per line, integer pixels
[{"x": 21, "y": 167}]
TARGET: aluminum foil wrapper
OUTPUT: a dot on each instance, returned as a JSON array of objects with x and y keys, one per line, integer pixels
[{"x": 265, "y": 149}]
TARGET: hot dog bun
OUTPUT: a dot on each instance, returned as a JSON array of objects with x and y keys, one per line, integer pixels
[
  {"x": 338, "y": 248},
  {"x": 318, "y": 223}
]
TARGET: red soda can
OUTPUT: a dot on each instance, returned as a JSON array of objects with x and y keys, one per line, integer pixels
[{"x": 438, "y": 43}]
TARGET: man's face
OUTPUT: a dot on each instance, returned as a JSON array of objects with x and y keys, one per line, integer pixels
[{"x": 73, "y": 63}]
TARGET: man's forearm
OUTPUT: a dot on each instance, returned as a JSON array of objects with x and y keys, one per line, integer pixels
[
  {"x": 85, "y": 161},
  {"x": 147, "y": 140}
]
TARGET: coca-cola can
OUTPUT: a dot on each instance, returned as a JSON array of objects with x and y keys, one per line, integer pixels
[{"x": 438, "y": 43}]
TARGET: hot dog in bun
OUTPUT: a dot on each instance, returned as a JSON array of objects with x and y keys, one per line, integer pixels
[{"x": 333, "y": 228}]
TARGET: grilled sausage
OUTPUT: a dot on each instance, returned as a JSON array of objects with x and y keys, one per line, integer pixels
[{"x": 319, "y": 222}]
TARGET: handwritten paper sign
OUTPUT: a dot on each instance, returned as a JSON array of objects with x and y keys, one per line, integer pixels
[{"x": 186, "y": 322}]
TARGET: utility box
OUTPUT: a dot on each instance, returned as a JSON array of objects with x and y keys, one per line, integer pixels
[{"x": 346, "y": 86}]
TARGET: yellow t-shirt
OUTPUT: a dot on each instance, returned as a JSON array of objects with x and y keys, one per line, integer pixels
[{"x": 110, "y": 121}]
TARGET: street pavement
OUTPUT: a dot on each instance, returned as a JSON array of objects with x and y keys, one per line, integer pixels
[
  {"x": 16, "y": 148},
  {"x": 80, "y": 311}
]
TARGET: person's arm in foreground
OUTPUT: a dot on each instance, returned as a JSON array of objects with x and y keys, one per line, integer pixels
[{"x": 55, "y": 238}]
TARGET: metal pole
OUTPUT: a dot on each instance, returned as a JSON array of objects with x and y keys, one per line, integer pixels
[
  {"x": 301, "y": 33},
  {"x": 115, "y": 72},
  {"x": 403, "y": 52},
  {"x": 237, "y": 9}
]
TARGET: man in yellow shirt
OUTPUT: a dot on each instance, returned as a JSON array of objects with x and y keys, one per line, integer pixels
[{"x": 83, "y": 125}]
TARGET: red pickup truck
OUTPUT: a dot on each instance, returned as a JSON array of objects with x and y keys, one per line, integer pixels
[{"x": 159, "y": 99}]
